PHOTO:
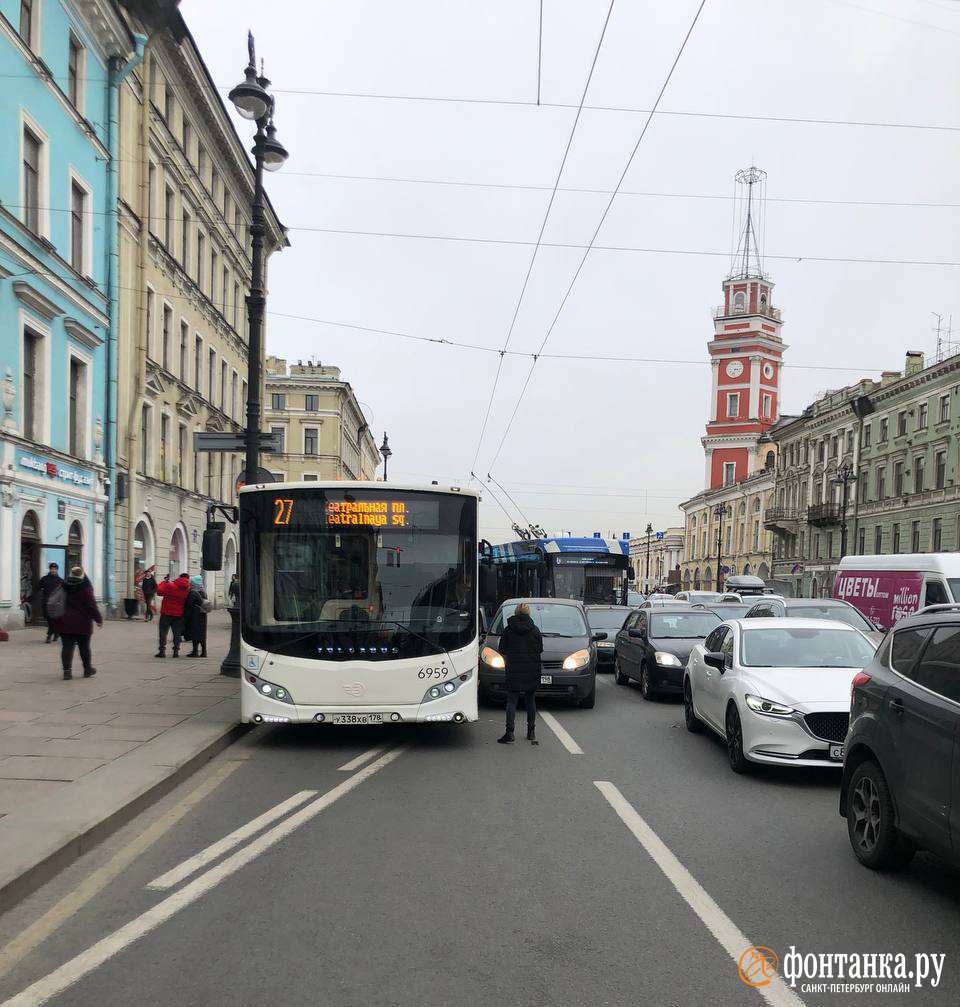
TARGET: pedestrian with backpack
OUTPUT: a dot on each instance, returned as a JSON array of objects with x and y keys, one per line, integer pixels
[
  {"x": 195, "y": 610},
  {"x": 48, "y": 584},
  {"x": 75, "y": 622}
]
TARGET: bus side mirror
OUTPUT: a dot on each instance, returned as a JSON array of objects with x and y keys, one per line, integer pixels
[{"x": 212, "y": 549}]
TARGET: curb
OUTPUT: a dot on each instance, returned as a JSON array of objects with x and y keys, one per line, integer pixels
[{"x": 81, "y": 832}]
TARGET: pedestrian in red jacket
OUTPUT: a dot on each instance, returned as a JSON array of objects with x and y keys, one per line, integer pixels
[
  {"x": 75, "y": 626},
  {"x": 174, "y": 594}
]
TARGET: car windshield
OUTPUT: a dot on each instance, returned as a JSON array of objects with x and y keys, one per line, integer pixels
[
  {"x": 682, "y": 625},
  {"x": 703, "y": 596},
  {"x": 837, "y": 613},
  {"x": 634, "y": 598},
  {"x": 954, "y": 583},
  {"x": 795, "y": 647},
  {"x": 607, "y": 619},
  {"x": 731, "y": 610},
  {"x": 550, "y": 619}
]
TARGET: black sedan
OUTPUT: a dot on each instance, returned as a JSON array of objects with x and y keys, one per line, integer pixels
[
  {"x": 569, "y": 662},
  {"x": 607, "y": 619},
  {"x": 654, "y": 644}
]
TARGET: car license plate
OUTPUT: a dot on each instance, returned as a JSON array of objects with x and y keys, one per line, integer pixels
[
  {"x": 836, "y": 753},
  {"x": 546, "y": 679},
  {"x": 358, "y": 718}
]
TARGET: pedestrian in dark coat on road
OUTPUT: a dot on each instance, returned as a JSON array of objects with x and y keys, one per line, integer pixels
[
  {"x": 149, "y": 587},
  {"x": 75, "y": 626},
  {"x": 48, "y": 582},
  {"x": 233, "y": 591},
  {"x": 195, "y": 617},
  {"x": 174, "y": 594},
  {"x": 521, "y": 645}
]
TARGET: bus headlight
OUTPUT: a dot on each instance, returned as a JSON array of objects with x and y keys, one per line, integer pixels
[
  {"x": 580, "y": 659},
  {"x": 489, "y": 656},
  {"x": 269, "y": 690},
  {"x": 441, "y": 689}
]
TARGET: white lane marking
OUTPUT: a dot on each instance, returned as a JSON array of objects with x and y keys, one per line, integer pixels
[
  {"x": 67, "y": 907},
  {"x": 85, "y": 962},
  {"x": 568, "y": 743},
  {"x": 776, "y": 992},
  {"x": 349, "y": 767},
  {"x": 216, "y": 850}
]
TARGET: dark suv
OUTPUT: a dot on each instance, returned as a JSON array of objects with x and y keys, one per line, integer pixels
[{"x": 901, "y": 774}]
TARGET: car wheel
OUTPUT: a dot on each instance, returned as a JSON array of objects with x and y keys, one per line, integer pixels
[
  {"x": 738, "y": 761},
  {"x": 693, "y": 722},
  {"x": 618, "y": 675},
  {"x": 646, "y": 687},
  {"x": 590, "y": 700},
  {"x": 870, "y": 821}
]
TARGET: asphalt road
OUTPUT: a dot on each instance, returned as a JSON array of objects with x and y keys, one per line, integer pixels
[{"x": 448, "y": 870}]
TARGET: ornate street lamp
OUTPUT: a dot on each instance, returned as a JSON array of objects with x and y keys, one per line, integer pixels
[
  {"x": 720, "y": 512},
  {"x": 844, "y": 475},
  {"x": 386, "y": 453}
]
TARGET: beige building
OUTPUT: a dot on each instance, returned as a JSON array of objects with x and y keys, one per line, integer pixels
[
  {"x": 185, "y": 195},
  {"x": 666, "y": 554},
  {"x": 319, "y": 419}
]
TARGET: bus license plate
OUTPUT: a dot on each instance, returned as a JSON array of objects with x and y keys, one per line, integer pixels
[
  {"x": 358, "y": 718},
  {"x": 836, "y": 753},
  {"x": 546, "y": 679}
]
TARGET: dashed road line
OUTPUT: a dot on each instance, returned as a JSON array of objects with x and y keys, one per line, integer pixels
[
  {"x": 561, "y": 732},
  {"x": 349, "y": 767}
]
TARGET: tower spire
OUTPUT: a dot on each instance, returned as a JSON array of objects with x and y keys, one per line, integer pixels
[{"x": 749, "y": 209}]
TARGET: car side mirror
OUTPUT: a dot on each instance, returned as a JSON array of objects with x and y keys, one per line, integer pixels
[
  {"x": 715, "y": 659},
  {"x": 597, "y": 637},
  {"x": 637, "y": 634}
]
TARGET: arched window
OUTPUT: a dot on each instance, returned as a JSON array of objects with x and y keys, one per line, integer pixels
[
  {"x": 763, "y": 302},
  {"x": 739, "y": 301},
  {"x": 708, "y": 579},
  {"x": 696, "y": 579},
  {"x": 770, "y": 460},
  {"x": 763, "y": 572},
  {"x": 29, "y": 564},
  {"x": 756, "y": 505},
  {"x": 746, "y": 569},
  {"x": 74, "y": 546},
  {"x": 179, "y": 557}
]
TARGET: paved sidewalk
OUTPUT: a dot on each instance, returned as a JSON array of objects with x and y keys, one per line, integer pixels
[{"x": 76, "y": 756}]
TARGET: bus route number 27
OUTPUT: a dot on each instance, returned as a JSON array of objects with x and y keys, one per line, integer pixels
[{"x": 433, "y": 673}]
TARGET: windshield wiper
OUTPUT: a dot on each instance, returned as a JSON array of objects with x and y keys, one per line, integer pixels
[{"x": 413, "y": 632}]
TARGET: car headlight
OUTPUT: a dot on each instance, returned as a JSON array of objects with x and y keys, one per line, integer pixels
[
  {"x": 269, "y": 690},
  {"x": 580, "y": 659},
  {"x": 489, "y": 656},
  {"x": 668, "y": 660},
  {"x": 768, "y": 708}
]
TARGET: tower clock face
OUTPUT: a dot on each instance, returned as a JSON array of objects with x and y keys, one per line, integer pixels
[{"x": 734, "y": 368}]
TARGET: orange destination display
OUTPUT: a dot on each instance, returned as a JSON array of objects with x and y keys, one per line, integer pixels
[{"x": 298, "y": 511}]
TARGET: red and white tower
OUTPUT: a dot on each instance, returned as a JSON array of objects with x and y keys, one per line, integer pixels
[{"x": 746, "y": 350}]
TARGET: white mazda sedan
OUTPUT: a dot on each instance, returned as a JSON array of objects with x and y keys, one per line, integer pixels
[{"x": 776, "y": 690}]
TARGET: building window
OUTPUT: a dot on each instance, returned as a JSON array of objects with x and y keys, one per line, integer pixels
[
  {"x": 151, "y": 333},
  {"x": 78, "y": 207},
  {"x": 78, "y": 407},
  {"x": 898, "y": 479},
  {"x": 821, "y": 448},
  {"x": 862, "y": 541},
  {"x": 915, "y": 537},
  {"x": 936, "y": 542},
  {"x": 185, "y": 239},
  {"x": 223, "y": 385},
  {"x": 901, "y": 423},
  {"x": 181, "y": 455},
  {"x": 311, "y": 403},
  {"x": 944, "y": 408},
  {"x": 166, "y": 334},
  {"x": 280, "y": 432},
  {"x": 201, "y": 252},
  {"x": 310, "y": 441},
  {"x": 729, "y": 473},
  {"x": 243, "y": 396},
  {"x": 31, "y": 386},
  {"x": 75, "y": 73},
  {"x": 310, "y": 477},
  {"x": 168, "y": 204},
  {"x": 184, "y": 339},
  {"x": 866, "y": 434},
  {"x": 817, "y": 552},
  {"x": 922, "y": 411},
  {"x": 224, "y": 287},
  {"x": 881, "y": 483},
  {"x": 210, "y": 474},
  {"x": 196, "y": 471},
  {"x": 236, "y": 306},
  {"x": 168, "y": 104},
  {"x": 212, "y": 377},
  {"x": 26, "y": 21},
  {"x": 940, "y": 469},
  {"x": 756, "y": 536},
  {"x": 733, "y": 404},
  {"x": 198, "y": 364},
  {"x": 918, "y": 467},
  {"x": 144, "y": 439},
  {"x": 278, "y": 400},
  {"x": 896, "y": 537},
  {"x": 739, "y": 301},
  {"x": 878, "y": 539},
  {"x": 185, "y": 137},
  {"x": 32, "y": 158},
  {"x": 850, "y": 441},
  {"x": 834, "y": 446},
  {"x": 214, "y": 258},
  {"x": 767, "y": 406},
  {"x": 234, "y": 381},
  {"x": 164, "y": 436},
  {"x": 884, "y": 428},
  {"x": 830, "y": 545}
]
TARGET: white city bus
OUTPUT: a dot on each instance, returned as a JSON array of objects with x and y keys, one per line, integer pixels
[{"x": 358, "y": 603}]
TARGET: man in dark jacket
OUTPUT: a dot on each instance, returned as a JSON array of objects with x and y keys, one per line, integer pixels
[
  {"x": 48, "y": 582},
  {"x": 521, "y": 645},
  {"x": 233, "y": 591},
  {"x": 149, "y": 588},
  {"x": 174, "y": 594},
  {"x": 75, "y": 626}
]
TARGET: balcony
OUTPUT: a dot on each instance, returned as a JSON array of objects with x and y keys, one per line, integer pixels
[
  {"x": 781, "y": 519},
  {"x": 823, "y": 515},
  {"x": 766, "y": 312}
]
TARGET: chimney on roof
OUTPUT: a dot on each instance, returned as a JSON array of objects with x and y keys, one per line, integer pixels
[
  {"x": 888, "y": 377},
  {"x": 914, "y": 362}
]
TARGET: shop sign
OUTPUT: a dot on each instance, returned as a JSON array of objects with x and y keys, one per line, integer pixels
[{"x": 55, "y": 470}]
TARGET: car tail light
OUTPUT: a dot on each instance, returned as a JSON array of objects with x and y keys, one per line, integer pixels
[{"x": 861, "y": 678}]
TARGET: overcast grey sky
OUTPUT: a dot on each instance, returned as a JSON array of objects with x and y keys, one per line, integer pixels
[{"x": 595, "y": 445}]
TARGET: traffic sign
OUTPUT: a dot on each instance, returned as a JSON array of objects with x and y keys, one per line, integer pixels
[{"x": 229, "y": 441}]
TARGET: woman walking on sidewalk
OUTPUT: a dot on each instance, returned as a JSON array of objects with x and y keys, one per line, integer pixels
[
  {"x": 521, "y": 646},
  {"x": 149, "y": 588},
  {"x": 195, "y": 610},
  {"x": 75, "y": 626}
]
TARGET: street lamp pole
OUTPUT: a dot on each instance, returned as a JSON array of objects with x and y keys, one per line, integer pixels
[
  {"x": 719, "y": 512},
  {"x": 844, "y": 476},
  {"x": 253, "y": 101},
  {"x": 646, "y": 580},
  {"x": 386, "y": 453}
]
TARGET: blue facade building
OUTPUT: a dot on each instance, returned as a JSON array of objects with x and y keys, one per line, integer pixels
[{"x": 60, "y": 63}]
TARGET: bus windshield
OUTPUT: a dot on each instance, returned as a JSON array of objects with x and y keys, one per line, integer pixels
[
  {"x": 594, "y": 579},
  {"x": 341, "y": 575}
]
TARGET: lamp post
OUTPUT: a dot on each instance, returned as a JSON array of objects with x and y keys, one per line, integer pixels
[
  {"x": 252, "y": 100},
  {"x": 646, "y": 580},
  {"x": 387, "y": 454},
  {"x": 844, "y": 475},
  {"x": 720, "y": 512}
]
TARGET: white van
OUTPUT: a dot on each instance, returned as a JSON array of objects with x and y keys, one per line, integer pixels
[{"x": 887, "y": 588}]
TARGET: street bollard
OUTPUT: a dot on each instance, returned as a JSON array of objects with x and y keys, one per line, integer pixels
[{"x": 231, "y": 663}]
